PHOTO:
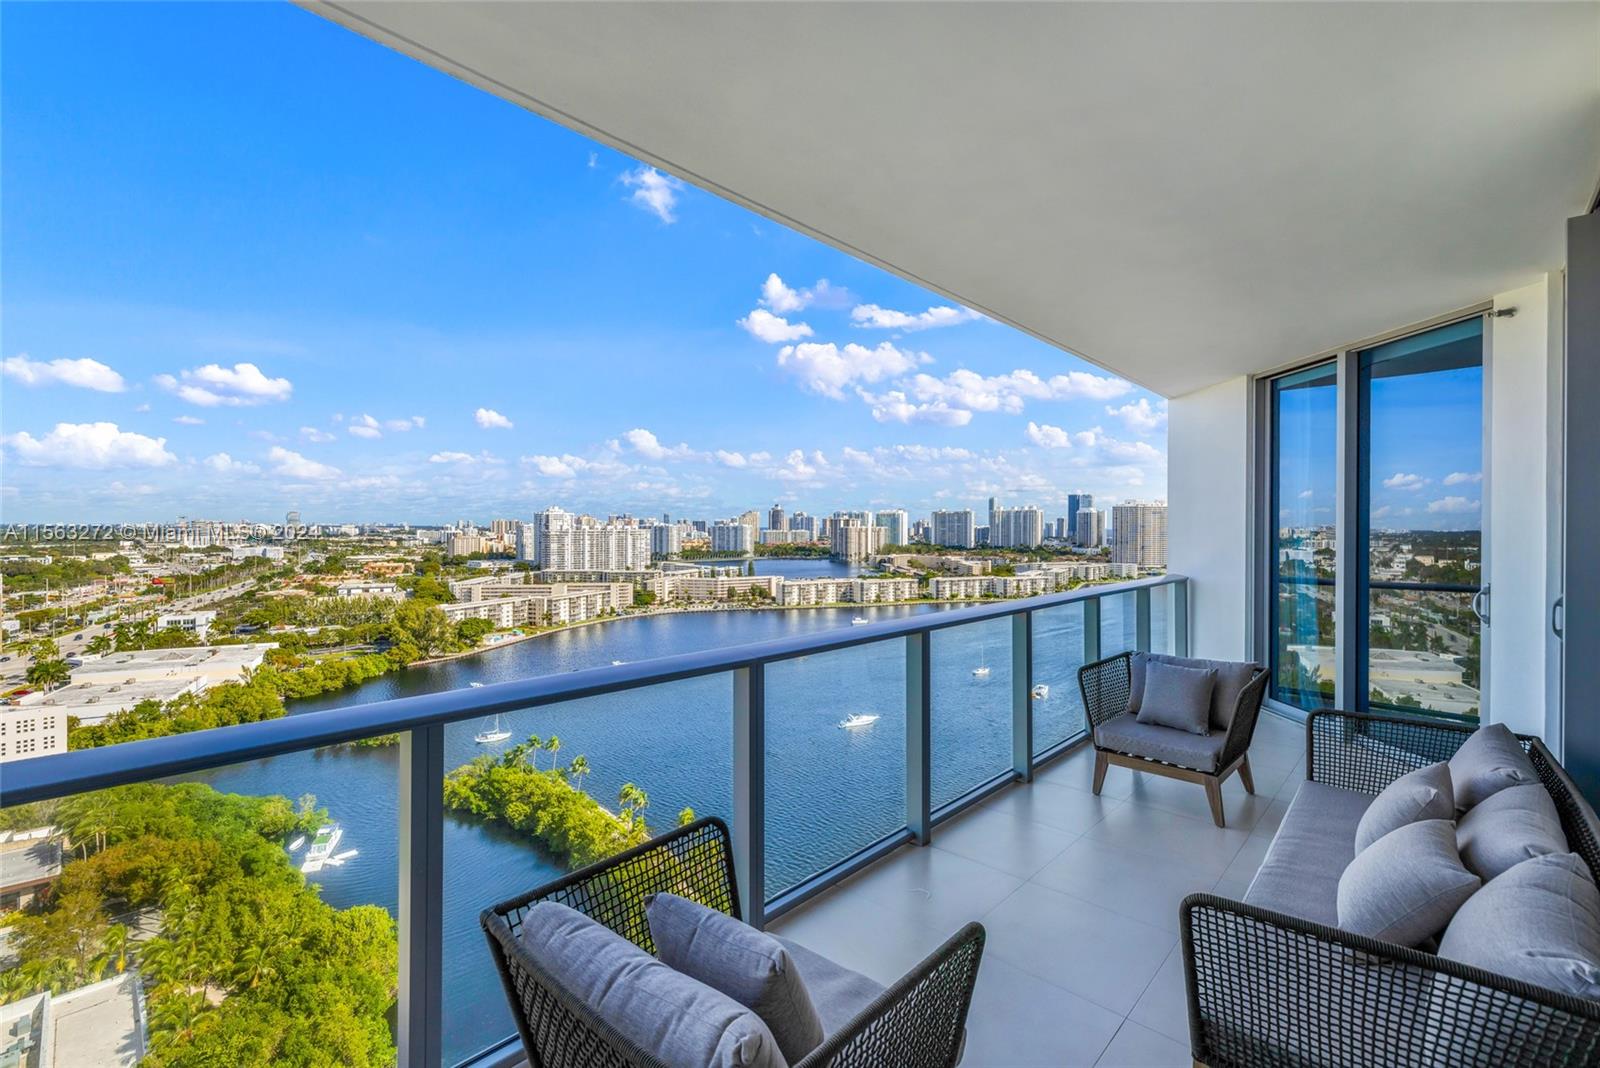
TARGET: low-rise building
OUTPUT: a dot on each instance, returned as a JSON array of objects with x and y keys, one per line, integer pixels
[
  {"x": 102, "y": 1024},
  {"x": 720, "y": 587},
  {"x": 30, "y": 730},
  {"x": 197, "y": 623},
  {"x": 369, "y": 588},
  {"x": 847, "y": 590},
  {"x": 30, "y": 862}
]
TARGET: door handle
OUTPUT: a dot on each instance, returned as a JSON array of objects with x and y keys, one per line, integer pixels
[
  {"x": 1558, "y": 617},
  {"x": 1480, "y": 601}
]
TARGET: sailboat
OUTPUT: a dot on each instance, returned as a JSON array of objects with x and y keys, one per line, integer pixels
[
  {"x": 494, "y": 734},
  {"x": 982, "y": 670}
]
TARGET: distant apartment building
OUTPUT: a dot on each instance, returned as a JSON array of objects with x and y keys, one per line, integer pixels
[
  {"x": 561, "y": 541},
  {"x": 854, "y": 540},
  {"x": 1089, "y": 529},
  {"x": 784, "y": 537},
  {"x": 720, "y": 587},
  {"x": 803, "y": 522},
  {"x": 896, "y": 526},
  {"x": 956, "y": 587},
  {"x": 955, "y": 529},
  {"x": 1016, "y": 528},
  {"x": 922, "y": 531},
  {"x": 369, "y": 589},
  {"x": 842, "y": 590},
  {"x": 752, "y": 520},
  {"x": 776, "y": 520},
  {"x": 1076, "y": 502},
  {"x": 666, "y": 539},
  {"x": 512, "y": 604},
  {"x": 1139, "y": 534},
  {"x": 465, "y": 543},
  {"x": 197, "y": 623},
  {"x": 732, "y": 536},
  {"x": 27, "y": 731}
]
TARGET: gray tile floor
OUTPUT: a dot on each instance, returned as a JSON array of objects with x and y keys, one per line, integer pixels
[{"x": 1079, "y": 895}]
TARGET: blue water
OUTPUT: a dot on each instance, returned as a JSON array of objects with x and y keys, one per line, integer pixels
[{"x": 830, "y": 791}]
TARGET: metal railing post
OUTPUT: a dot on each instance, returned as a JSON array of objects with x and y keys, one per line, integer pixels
[
  {"x": 919, "y": 741},
  {"x": 1091, "y": 630},
  {"x": 1141, "y": 619},
  {"x": 421, "y": 807},
  {"x": 750, "y": 790},
  {"x": 1180, "y": 617},
  {"x": 1022, "y": 695}
]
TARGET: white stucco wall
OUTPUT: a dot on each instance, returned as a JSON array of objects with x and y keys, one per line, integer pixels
[
  {"x": 1522, "y": 349},
  {"x": 1208, "y": 513}
]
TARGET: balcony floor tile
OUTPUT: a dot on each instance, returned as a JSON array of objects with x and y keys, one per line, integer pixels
[
  {"x": 1002, "y": 836},
  {"x": 1140, "y": 1047},
  {"x": 1020, "y": 1020}
]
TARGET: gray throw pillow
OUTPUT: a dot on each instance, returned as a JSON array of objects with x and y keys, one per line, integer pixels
[
  {"x": 1405, "y": 886},
  {"x": 1509, "y": 827},
  {"x": 677, "y": 1019},
  {"x": 1177, "y": 697},
  {"x": 1538, "y": 922},
  {"x": 1490, "y": 760},
  {"x": 749, "y": 966},
  {"x": 1423, "y": 794}
]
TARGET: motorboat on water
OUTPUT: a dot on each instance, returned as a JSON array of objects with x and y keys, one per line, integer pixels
[
  {"x": 476, "y": 685},
  {"x": 859, "y": 621},
  {"x": 859, "y": 719},
  {"x": 1040, "y": 692},
  {"x": 493, "y": 734},
  {"x": 322, "y": 847},
  {"x": 980, "y": 672},
  {"x": 618, "y": 663}
]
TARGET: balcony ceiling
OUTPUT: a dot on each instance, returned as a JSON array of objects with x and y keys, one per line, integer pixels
[{"x": 1180, "y": 193}]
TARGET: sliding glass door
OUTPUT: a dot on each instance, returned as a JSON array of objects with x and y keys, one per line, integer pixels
[{"x": 1398, "y": 498}]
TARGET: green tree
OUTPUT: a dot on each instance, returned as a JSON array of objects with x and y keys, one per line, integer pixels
[
  {"x": 48, "y": 674},
  {"x": 579, "y": 770},
  {"x": 100, "y": 644},
  {"x": 552, "y": 746}
]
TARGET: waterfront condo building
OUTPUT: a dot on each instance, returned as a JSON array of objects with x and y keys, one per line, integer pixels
[
  {"x": 562, "y": 541},
  {"x": 954, "y": 529},
  {"x": 896, "y": 526},
  {"x": 853, "y": 539},
  {"x": 1139, "y": 533},
  {"x": 732, "y": 536},
  {"x": 1089, "y": 528},
  {"x": 1016, "y": 528}
]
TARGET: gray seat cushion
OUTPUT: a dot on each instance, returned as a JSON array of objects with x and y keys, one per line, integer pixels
[
  {"x": 1126, "y": 734},
  {"x": 1300, "y": 874},
  {"x": 1232, "y": 677},
  {"x": 1538, "y": 922},
  {"x": 1490, "y": 760},
  {"x": 748, "y": 965},
  {"x": 1509, "y": 827},
  {"x": 1177, "y": 697},
  {"x": 682, "y": 1021},
  {"x": 1407, "y": 885},
  {"x": 1424, "y": 794},
  {"x": 838, "y": 993}
]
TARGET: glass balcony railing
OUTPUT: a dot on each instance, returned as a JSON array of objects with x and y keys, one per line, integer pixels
[{"x": 178, "y": 860}]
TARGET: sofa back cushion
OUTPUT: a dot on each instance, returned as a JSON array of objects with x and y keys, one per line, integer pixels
[
  {"x": 1538, "y": 921},
  {"x": 1232, "y": 677},
  {"x": 748, "y": 965},
  {"x": 1490, "y": 760},
  {"x": 1407, "y": 885},
  {"x": 1509, "y": 827},
  {"x": 678, "y": 1019},
  {"x": 1177, "y": 696},
  {"x": 1423, "y": 794}
]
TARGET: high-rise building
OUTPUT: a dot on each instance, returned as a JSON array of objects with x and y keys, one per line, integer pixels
[
  {"x": 896, "y": 526},
  {"x": 853, "y": 540},
  {"x": 752, "y": 520},
  {"x": 732, "y": 536},
  {"x": 994, "y": 506},
  {"x": 1089, "y": 529},
  {"x": 807, "y": 523},
  {"x": 562, "y": 541},
  {"x": 922, "y": 531},
  {"x": 1016, "y": 528},
  {"x": 775, "y": 518},
  {"x": 666, "y": 539},
  {"x": 1139, "y": 533},
  {"x": 957, "y": 529},
  {"x": 1076, "y": 502}
]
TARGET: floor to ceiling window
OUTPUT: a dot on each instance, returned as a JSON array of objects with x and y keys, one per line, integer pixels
[{"x": 1407, "y": 499}]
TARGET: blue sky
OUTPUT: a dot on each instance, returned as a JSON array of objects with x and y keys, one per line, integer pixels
[{"x": 254, "y": 262}]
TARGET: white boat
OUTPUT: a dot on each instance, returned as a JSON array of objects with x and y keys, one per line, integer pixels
[
  {"x": 476, "y": 685},
  {"x": 860, "y": 621},
  {"x": 618, "y": 663},
  {"x": 297, "y": 843},
  {"x": 322, "y": 847},
  {"x": 1040, "y": 692},
  {"x": 339, "y": 859},
  {"x": 494, "y": 734},
  {"x": 980, "y": 672},
  {"x": 858, "y": 720}
]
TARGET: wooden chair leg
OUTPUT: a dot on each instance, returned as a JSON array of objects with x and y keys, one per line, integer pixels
[
  {"x": 1100, "y": 765},
  {"x": 1244, "y": 775},
  {"x": 1214, "y": 795}
]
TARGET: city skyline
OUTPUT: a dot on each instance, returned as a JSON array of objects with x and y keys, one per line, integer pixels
[{"x": 370, "y": 292}]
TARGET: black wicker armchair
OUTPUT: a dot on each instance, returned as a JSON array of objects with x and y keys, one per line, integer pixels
[
  {"x": 1108, "y": 685},
  {"x": 1265, "y": 988},
  {"x": 919, "y": 1022}
]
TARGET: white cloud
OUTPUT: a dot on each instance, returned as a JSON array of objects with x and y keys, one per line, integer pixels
[
  {"x": 1452, "y": 506},
  {"x": 1306, "y": 495},
  {"x": 653, "y": 191},
  {"x": 894, "y": 406},
  {"x": 773, "y": 329},
  {"x": 188, "y": 420},
  {"x": 731, "y": 459},
  {"x": 82, "y": 374},
  {"x": 451, "y": 458},
  {"x": 594, "y": 160},
  {"x": 490, "y": 419},
  {"x": 223, "y": 464},
  {"x": 780, "y": 298},
  {"x": 828, "y": 369},
  {"x": 1460, "y": 478},
  {"x": 95, "y": 446},
  {"x": 875, "y": 317},
  {"x": 1010, "y": 392},
  {"x": 214, "y": 385},
  {"x": 364, "y": 426},
  {"x": 646, "y": 444},
  {"x": 1141, "y": 416},
  {"x": 799, "y": 466},
  {"x": 1049, "y": 437},
  {"x": 416, "y": 422},
  {"x": 1402, "y": 481},
  {"x": 291, "y": 464},
  {"x": 311, "y": 433}
]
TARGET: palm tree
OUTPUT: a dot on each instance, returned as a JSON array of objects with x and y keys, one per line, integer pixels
[
  {"x": 553, "y": 744},
  {"x": 633, "y": 801},
  {"x": 535, "y": 743},
  {"x": 48, "y": 674},
  {"x": 579, "y": 768}
]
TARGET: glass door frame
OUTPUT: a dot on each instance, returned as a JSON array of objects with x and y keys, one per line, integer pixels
[{"x": 1351, "y": 582}]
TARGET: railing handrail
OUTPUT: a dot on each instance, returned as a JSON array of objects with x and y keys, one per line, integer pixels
[{"x": 82, "y": 770}]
